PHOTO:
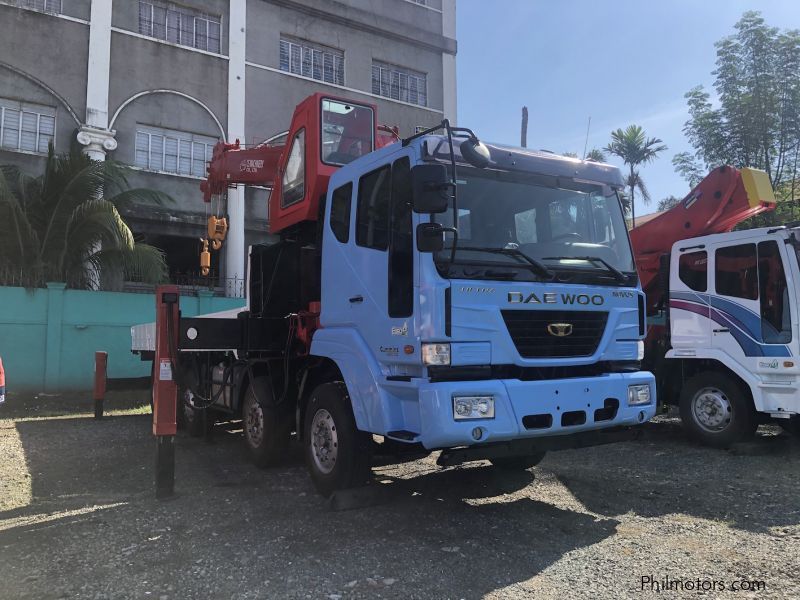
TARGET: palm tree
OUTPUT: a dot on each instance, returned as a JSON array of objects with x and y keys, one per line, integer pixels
[
  {"x": 635, "y": 149},
  {"x": 596, "y": 155},
  {"x": 65, "y": 225}
]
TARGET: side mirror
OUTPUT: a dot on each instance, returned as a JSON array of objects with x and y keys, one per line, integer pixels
[
  {"x": 475, "y": 153},
  {"x": 431, "y": 187},
  {"x": 430, "y": 237}
]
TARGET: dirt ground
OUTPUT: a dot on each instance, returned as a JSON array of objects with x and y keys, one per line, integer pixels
[{"x": 78, "y": 519}]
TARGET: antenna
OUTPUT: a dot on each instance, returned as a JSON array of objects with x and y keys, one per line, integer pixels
[
  {"x": 586, "y": 143},
  {"x": 524, "y": 134}
]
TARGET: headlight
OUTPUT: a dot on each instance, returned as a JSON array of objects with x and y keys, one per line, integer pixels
[
  {"x": 436, "y": 354},
  {"x": 638, "y": 394},
  {"x": 640, "y": 350},
  {"x": 473, "y": 407}
]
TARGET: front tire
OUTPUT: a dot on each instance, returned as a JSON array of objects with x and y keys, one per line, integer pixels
[
  {"x": 338, "y": 455},
  {"x": 267, "y": 428},
  {"x": 716, "y": 411}
]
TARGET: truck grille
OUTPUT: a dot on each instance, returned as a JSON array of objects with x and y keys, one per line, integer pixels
[{"x": 528, "y": 330}]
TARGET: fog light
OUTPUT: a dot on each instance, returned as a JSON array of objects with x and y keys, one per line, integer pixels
[
  {"x": 436, "y": 354},
  {"x": 638, "y": 395},
  {"x": 473, "y": 407}
]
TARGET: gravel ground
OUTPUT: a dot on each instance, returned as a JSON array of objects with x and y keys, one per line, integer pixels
[{"x": 78, "y": 519}]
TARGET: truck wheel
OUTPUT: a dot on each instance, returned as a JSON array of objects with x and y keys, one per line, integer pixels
[
  {"x": 517, "y": 463},
  {"x": 196, "y": 422},
  {"x": 715, "y": 410},
  {"x": 266, "y": 427},
  {"x": 337, "y": 453}
]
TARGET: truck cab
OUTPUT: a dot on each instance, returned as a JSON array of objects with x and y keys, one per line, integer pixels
[
  {"x": 527, "y": 322},
  {"x": 733, "y": 316}
]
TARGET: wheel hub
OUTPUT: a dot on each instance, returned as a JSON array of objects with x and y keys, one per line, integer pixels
[
  {"x": 324, "y": 441},
  {"x": 711, "y": 409},
  {"x": 254, "y": 422}
]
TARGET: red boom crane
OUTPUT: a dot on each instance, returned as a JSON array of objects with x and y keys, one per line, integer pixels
[{"x": 725, "y": 198}]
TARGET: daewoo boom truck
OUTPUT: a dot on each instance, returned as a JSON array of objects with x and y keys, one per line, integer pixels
[
  {"x": 429, "y": 293},
  {"x": 723, "y": 308}
]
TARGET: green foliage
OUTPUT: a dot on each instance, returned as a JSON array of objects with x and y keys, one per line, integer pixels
[
  {"x": 755, "y": 119},
  {"x": 65, "y": 225},
  {"x": 596, "y": 155},
  {"x": 667, "y": 203},
  {"x": 634, "y": 148}
]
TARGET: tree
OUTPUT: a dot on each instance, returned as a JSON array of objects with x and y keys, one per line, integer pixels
[
  {"x": 667, "y": 203},
  {"x": 65, "y": 225},
  {"x": 596, "y": 155},
  {"x": 755, "y": 121},
  {"x": 635, "y": 148}
]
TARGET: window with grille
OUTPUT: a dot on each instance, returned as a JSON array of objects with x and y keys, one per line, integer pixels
[
  {"x": 52, "y": 7},
  {"x": 26, "y": 127},
  {"x": 310, "y": 60},
  {"x": 399, "y": 84},
  {"x": 180, "y": 25},
  {"x": 169, "y": 151}
]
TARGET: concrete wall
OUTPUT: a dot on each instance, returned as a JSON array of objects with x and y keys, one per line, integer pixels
[{"x": 48, "y": 337}]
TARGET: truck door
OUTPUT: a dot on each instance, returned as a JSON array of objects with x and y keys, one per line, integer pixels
[
  {"x": 689, "y": 300},
  {"x": 735, "y": 307},
  {"x": 383, "y": 262}
]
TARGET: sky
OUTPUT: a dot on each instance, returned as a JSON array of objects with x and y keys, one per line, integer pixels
[{"x": 616, "y": 61}]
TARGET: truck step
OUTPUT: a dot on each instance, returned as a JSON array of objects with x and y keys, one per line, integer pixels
[{"x": 402, "y": 434}]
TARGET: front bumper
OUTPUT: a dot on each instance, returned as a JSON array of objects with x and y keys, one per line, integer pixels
[{"x": 531, "y": 409}]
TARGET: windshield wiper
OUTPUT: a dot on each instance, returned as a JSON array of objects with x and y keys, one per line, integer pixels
[
  {"x": 616, "y": 273},
  {"x": 535, "y": 265}
]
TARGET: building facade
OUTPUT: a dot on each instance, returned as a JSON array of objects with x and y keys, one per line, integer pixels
[{"x": 155, "y": 84}]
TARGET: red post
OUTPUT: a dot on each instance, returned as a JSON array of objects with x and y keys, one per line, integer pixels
[
  {"x": 100, "y": 371},
  {"x": 165, "y": 389}
]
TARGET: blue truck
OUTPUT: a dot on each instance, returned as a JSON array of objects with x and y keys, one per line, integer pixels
[{"x": 427, "y": 293}]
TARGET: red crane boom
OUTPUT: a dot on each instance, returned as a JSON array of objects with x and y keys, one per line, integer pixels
[{"x": 725, "y": 198}]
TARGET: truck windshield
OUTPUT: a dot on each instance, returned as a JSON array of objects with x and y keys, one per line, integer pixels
[{"x": 576, "y": 230}]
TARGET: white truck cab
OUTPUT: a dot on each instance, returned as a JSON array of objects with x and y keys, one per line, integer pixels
[{"x": 734, "y": 303}]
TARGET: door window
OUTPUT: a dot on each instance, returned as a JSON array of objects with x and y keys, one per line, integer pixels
[
  {"x": 693, "y": 270},
  {"x": 776, "y": 322},
  {"x": 735, "y": 271},
  {"x": 340, "y": 212},
  {"x": 372, "y": 214},
  {"x": 401, "y": 248},
  {"x": 294, "y": 178}
]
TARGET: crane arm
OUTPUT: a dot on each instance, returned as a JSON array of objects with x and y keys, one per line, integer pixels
[
  {"x": 231, "y": 165},
  {"x": 725, "y": 198}
]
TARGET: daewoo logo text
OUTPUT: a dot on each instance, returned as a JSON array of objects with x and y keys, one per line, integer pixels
[{"x": 552, "y": 298}]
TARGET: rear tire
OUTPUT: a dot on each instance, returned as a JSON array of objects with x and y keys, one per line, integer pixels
[
  {"x": 517, "y": 463},
  {"x": 267, "y": 428},
  {"x": 338, "y": 455},
  {"x": 716, "y": 411}
]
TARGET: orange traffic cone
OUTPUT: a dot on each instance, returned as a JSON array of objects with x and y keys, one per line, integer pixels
[{"x": 2, "y": 383}]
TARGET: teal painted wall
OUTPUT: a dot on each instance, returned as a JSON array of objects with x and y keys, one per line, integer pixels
[{"x": 48, "y": 337}]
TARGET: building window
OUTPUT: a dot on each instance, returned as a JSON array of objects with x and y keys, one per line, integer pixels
[
  {"x": 399, "y": 84},
  {"x": 52, "y": 7},
  {"x": 180, "y": 25},
  {"x": 26, "y": 127},
  {"x": 168, "y": 151},
  {"x": 310, "y": 60}
]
